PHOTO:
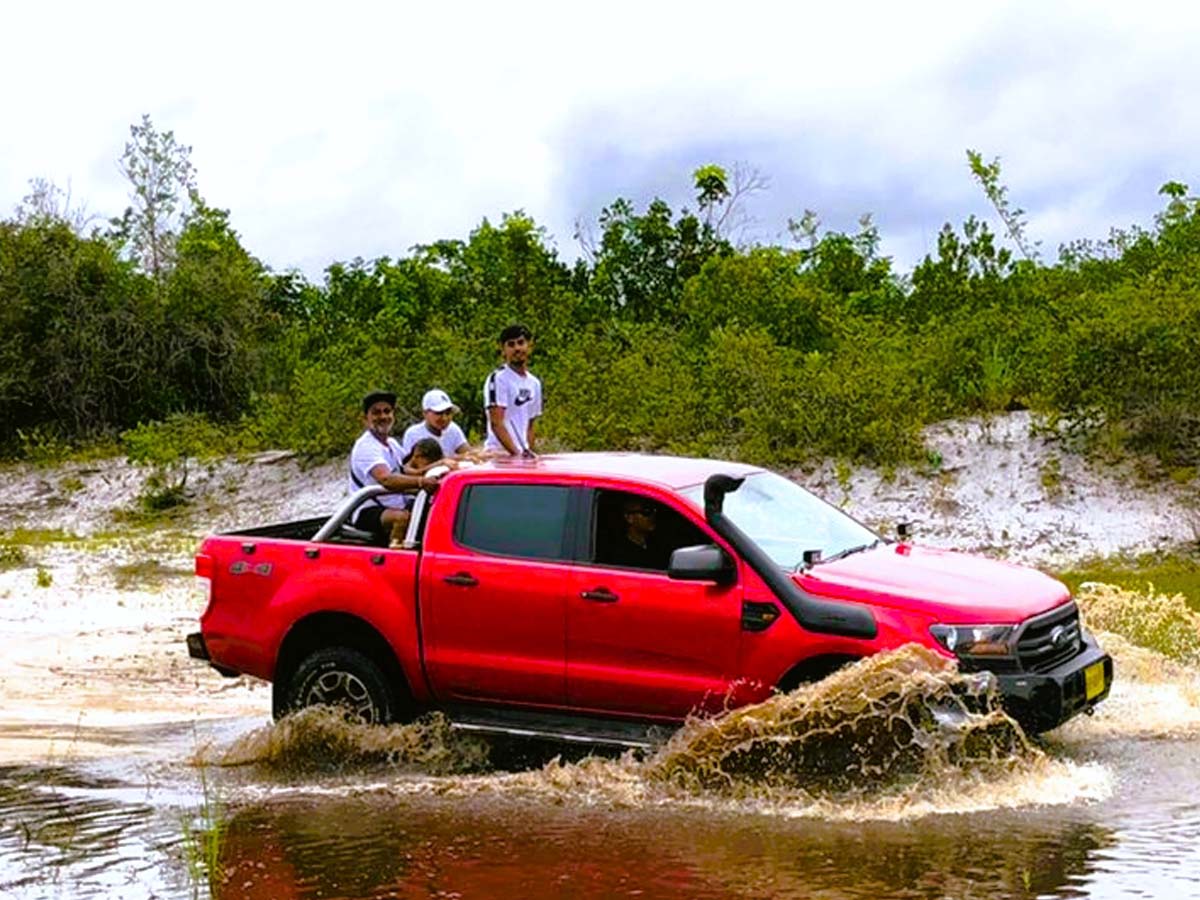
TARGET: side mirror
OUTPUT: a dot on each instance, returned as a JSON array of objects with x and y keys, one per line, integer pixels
[{"x": 703, "y": 562}]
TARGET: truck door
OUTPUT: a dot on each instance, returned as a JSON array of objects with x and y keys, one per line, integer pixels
[
  {"x": 637, "y": 641},
  {"x": 494, "y": 596}
]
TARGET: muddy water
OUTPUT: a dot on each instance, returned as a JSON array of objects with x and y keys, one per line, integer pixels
[{"x": 850, "y": 788}]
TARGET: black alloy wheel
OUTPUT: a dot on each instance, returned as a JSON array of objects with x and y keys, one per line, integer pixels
[{"x": 346, "y": 678}]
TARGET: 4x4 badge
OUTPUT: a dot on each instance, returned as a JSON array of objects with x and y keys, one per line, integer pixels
[{"x": 241, "y": 567}]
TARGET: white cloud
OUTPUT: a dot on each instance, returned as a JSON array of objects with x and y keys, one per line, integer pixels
[{"x": 366, "y": 128}]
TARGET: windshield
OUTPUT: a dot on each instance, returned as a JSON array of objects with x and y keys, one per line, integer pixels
[{"x": 785, "y": 520}]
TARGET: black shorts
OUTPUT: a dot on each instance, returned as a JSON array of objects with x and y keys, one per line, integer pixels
[{"x": 368, "y": 518}]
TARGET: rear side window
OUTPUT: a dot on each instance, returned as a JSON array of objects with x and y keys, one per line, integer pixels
[{"x": 523, "y": 520}]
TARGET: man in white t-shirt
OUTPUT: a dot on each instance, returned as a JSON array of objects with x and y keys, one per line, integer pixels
[
  {"x": 512, "y": 396},
  {"x": 376, "y": 459},
  {"x": 438, "y": 424}
]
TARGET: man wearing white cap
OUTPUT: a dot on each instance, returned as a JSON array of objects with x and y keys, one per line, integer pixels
[{"x": 438, "y": 424}]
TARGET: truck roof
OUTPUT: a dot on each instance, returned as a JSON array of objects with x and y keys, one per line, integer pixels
[{"x": 673, "y": 472}]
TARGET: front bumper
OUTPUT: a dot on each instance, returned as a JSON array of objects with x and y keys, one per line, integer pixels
[{"x": 1044, "y": 700}]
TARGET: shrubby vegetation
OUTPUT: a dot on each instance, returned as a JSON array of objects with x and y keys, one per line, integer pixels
[{"x": 665, "y": 335}]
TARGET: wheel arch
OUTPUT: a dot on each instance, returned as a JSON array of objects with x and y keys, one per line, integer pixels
[
  {"x": 813, "y": 669},
  {"x": 333, "y": 629}
]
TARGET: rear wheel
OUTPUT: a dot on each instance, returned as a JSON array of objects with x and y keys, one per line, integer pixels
[{"x": 346, "y": 678}]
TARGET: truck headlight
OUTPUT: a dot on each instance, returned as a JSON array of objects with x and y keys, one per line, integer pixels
[{"x": 975, "y": 640}]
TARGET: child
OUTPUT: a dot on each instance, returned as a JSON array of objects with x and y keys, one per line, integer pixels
[{"x": 426, "y": 453}]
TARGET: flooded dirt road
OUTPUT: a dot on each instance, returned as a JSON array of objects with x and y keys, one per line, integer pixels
[
  {"x": 232, "y": 807},
  {"x": 104, "y": 722}
]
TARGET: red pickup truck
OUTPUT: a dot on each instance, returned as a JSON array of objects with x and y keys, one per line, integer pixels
[{"x": 513, "y": 608}]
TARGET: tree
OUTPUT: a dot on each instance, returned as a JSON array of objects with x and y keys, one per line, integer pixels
[
  {"x": 988, "y": 176},
  {"x": 848, "y": 267},
  {"x": 761, "y": 289},
  {"x": 76, "y": 335},
  {"x": 721, "y": 197},
  {"x": 643, "y": 261},
  {"x": 501, "y": 274},
  {"x": 48, "y": 204},
  {"x": 967, "y": 274},
  {"x": 711, "y": 190},
  {"x": 163, "y": 189},
  {"x": 217, "y": 325}
]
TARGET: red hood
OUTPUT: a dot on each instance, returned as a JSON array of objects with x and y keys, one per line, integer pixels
[{"x": 955, "y": 588}]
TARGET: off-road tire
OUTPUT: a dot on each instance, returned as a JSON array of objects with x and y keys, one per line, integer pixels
[{"x": 341, "y": 676}]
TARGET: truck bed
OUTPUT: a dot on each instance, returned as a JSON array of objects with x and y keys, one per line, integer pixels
[
  {"x": 301, "y": 530},
  {"x": 305, "y": 529}
]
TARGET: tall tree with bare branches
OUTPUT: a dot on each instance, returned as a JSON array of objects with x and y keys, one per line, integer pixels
[{"x": 162, "y": 180}]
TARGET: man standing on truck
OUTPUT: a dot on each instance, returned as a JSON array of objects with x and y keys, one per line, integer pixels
[
  {"x": 512, "y": 396},
  {"x": 377, "y": 459}
]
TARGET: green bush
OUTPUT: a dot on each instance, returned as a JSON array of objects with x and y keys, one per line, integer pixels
[
  {"x": 864, "y": 402},
  {"x": 1128, "y": 364},
  {"x": 624, "y": 386},
  {"x": 663, "y": 337},
  {"x": 12, "y": 557},
  {"x": 316, "y": 416},
  {"x": 737, "y": 395},
  {"x": 763, "y": 290},
  {"x": 170, "y": 448}
]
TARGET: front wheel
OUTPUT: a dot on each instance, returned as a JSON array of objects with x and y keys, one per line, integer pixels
[{"x": 346, "y": 678}]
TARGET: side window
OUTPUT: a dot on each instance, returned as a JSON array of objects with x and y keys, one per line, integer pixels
[
  {"x": 633, "y": 531},
  {"x": 522, "y": 520}
]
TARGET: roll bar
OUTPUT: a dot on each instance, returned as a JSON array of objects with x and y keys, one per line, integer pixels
[
  {"x": 350, "y": 504},
  {"x": 343, "y": 512}
]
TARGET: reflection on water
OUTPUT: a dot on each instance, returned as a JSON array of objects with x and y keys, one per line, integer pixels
[
  {"x": 370, "y": 847},
  {"x": 66, "y": 836},
  {"x": 407, "y": 836}
]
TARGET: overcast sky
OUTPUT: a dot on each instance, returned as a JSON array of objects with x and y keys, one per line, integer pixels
[{"x": 339, "y": 130}]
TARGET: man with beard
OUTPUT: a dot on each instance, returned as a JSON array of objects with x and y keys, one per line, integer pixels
[{"x": 376, "y": 459}]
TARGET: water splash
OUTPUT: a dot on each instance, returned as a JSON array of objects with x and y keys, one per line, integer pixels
[
  {"x": 1160, "y": 622},
  {"x": 321, "y": 739},
  {"x": 1154, "y": 640},
  {"x": 896, "y": 736},
  {"x": 870, "y": 742},
  {"x": 890, "y": 717}
]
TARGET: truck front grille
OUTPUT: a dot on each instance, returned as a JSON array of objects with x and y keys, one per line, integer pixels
[{"x": 1049, "y": 639}]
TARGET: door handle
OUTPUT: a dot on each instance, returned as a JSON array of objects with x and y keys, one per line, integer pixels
[
  {"x": 600, "y": 595},
  {"x": 465, "y": 579}
]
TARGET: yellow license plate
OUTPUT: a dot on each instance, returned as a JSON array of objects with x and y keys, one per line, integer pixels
[{"x": 1093, "y": 678}]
